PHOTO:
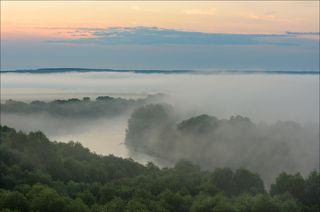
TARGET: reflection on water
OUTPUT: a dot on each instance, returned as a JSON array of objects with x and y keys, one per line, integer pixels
[{"x": 105, "y": 137}]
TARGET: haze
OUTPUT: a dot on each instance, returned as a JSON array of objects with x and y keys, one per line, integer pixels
[
  {"x": 262, "y": 97},
  {"x": 159, "y": 106}
]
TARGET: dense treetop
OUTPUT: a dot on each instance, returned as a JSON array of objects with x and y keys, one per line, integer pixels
[
  {"x": 79, "y": 108},
  {"x": 39, "y": 175}
]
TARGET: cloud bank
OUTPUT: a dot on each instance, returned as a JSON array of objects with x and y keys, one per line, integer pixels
[
  {"x": 157, "y": 48},
  {"x": 155, "y": 36}
]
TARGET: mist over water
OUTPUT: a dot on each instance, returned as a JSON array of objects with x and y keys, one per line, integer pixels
[
  {"x": 103, "y": 136},
  {"x": 261, "y": 97}
]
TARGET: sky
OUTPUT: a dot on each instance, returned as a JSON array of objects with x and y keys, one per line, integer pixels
[{"x": 276, "y": 35}]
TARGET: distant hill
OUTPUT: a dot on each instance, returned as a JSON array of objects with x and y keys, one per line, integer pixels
[
  {"x": 64, "y": 70},
  {"x": 152, "y": 71}
]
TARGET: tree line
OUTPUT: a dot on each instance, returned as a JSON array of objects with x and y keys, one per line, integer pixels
[
  {"x": 40, "y": 175},
  {"x": 158, "y": 131},
  {"x": 102, "y": 106}
]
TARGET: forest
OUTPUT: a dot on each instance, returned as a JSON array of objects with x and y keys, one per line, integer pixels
[
  {"x": 86, "y": 108},
  {"x": 160, "y": 106},
  {"x": 158, "y": 131},
  {"x": 37, "y": 174}
]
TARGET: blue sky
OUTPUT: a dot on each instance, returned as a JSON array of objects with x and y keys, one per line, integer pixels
[
  {"x": 158, "y": 48},
  {"x": 254, "y": 35}
]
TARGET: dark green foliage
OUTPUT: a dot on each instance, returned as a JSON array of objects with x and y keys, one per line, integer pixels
[
  {"x": 43, "y": 198},
  {"x": 204, "y": 203},
  {"x": 39, "y": 175},
  {"x": 13, "y": 200},
  {"x": 136, "y": 205},
  {"x": 307, "y": 191},
  {"x": 115, "y": 205},
  {"x": 223, "y": 179},
  {"x": 293, "y": 184},
  {"x": 312, "y": 189},
  {"x": 247, "y": 182},
  {"x": 263, "y": 203},
  {"x": 78, "y": 108},
  {"x": 238, "y": 182}
]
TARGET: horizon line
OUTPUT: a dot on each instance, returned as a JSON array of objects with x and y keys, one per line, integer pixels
[{"x": 155, "y": 71}]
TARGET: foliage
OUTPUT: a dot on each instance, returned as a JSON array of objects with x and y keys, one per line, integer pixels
[
  {"x": 267, "y": 149},
  {"x": 39, "y": 175},
  {"x": 79, "y": 108}
]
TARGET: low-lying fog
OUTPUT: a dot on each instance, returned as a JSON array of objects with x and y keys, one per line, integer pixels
[
  {"x": 103, "y": 136},
  {"x": 261, "y": 97}
]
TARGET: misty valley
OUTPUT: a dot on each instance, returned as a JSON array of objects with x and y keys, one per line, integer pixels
[
  {"x": 160, "y": 106},
  {"x": 113, "y": 153}
]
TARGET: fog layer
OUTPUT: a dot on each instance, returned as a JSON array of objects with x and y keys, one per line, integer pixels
[
  {"x": 262, "y": 97},
  {"x": 211, "y": 142},
  {"x": 98, "y": 124}
]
